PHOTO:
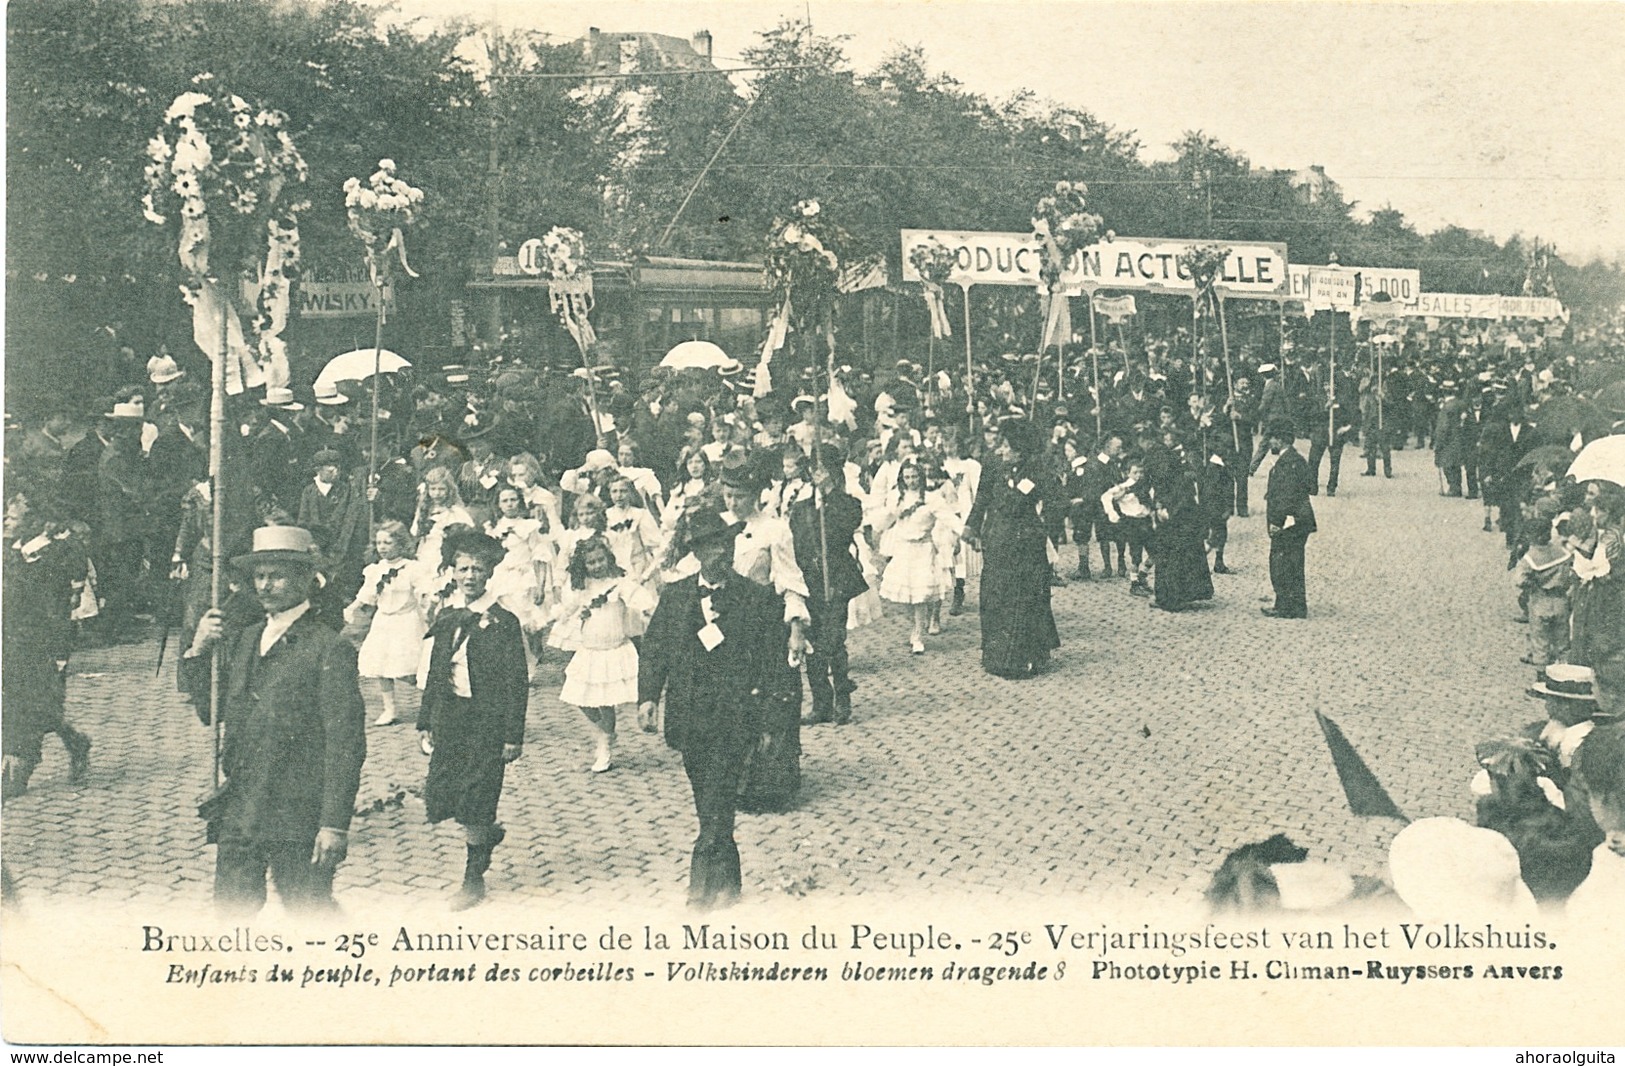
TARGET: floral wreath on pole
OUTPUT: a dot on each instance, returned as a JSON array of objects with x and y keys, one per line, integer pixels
[
  {"x": 803, "y": 265},
  {"x": 379, "y": 213},
  {"x": 1063, "y": 226},
  {"x": 935, "y": 263},
  {"x": 218, "y": 172},
  {"x": 569, "y": 284},
  {"x": 1205, "y": 264}
]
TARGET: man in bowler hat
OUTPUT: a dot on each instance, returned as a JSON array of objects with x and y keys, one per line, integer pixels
[
  {"x": 1291, "y": 519},
  {"x": 714, "y": 648},
  {"x": 295, "y": 733}
]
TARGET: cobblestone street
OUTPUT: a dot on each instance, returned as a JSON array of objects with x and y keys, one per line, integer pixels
[{"x": 1157, "y": 743}]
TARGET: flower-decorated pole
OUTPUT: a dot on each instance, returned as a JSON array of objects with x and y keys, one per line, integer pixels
[
  {"x": 222, "y": 177},
  {"x": 935, "y": 262},
  {"x": 569, "y": 293},
  {"x": 1063, "y": 226},
  {"x": 1205, "y": 263},
  {"x": 803, "y": 265},
  {"x": 379, "y": 214}
]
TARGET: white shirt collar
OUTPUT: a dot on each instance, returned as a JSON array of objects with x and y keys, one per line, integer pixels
[
  {"x": 276, "y": 625},
  {"x": 479, "y": 606}
]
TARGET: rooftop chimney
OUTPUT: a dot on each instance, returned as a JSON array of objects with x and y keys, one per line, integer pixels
[{"x": 702, "y": 44}]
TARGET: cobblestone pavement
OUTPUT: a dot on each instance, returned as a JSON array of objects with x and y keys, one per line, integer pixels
[{"x": 1157, "y": 743}]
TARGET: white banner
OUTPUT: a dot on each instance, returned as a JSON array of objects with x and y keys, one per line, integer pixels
[
  {"x": 1150, "y": 264},
  {"x": 1331, "y": 289},
  {"x": 1453, "y": 305},
  {"x": 1401, "y": 286},
  {"x": 1545, "y": 308},
  {"x": 340, "y": 299}
]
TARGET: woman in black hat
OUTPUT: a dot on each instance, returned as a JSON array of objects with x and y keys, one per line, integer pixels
[{"x": 1018, "y": 627}]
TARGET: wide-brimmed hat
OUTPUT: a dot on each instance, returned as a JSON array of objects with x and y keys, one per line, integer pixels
[
  {"x": 1444, "y": 868},
  {"x": 1281, "y": 428},
  {"x": 282, "y": 397},
  {"x": 740, "y": 472},
  {"x": 162, "y": 369},
  {"x": 598, "y": 459},
  {"x": 328, "y": 394},
  {"x": 284, "y": 544},
  {"x": 707, "y": 525},
  {"x": 1565, "y": 681}
]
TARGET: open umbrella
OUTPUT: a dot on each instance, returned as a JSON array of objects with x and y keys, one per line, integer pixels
[
  {"x": 1601, "y": 460},
  {"x": 1611, "y": 398},
  {"x": 1553, "y": 457},
  {"x": 1557, "y": 420},
  {"x": 358, "y": 366},
  {"x": 701, "y": 354}
]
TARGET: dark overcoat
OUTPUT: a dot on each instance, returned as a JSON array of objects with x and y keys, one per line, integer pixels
[
  {"x": 467, "y": 768},
  {"x": 295, "y": 731}
]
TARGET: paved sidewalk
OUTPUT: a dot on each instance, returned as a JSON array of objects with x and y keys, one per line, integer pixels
[{"x": 1157, "y": 743}]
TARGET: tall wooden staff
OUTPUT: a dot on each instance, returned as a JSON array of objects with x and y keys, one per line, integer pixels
[
  {"x": 970, "y": 367},
  {"x": 1229, "y": 375},
  {"x": 217, "y": 519},
  {"x": 1094, "y": 358},
  {"x": 377, "y": 369},
  {"x": 1331, "y": 382},
  {"x": 818, "y": 449}
]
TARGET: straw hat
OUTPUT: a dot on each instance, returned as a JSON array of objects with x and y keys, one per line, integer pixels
[
  {"x": 282, "y": 544},
  {"x": 1444, "y": 868},
  {"x": 162, "y": 369}
]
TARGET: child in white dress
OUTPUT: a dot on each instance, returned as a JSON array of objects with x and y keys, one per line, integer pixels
[
  {"x": 631, "y": 530},
  {"x": 394, "y": 641},
  {"x": 524, "y": 577},
  {"x": 597, "y": 620},
  {"x": 913, "y": 575}
]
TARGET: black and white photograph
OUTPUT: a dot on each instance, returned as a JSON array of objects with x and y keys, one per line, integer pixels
[{"x": 767, "y": 522}]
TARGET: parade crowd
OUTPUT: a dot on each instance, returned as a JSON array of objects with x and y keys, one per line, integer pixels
[{"x": 700, "y": 552}]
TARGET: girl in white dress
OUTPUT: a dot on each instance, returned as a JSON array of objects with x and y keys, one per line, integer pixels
[
  {"x": 631, "y": 530},
  {"x": 643, "y": 478},
  {"x": 912, "y": 575},
  {"x": 394, "y": 641},
  {"x": 525, "y": 474},
  {"x": 440, "y": 506},
  {"x": 525, "y": 573},
  {"x": 597, "y": 619},
  {"x": 588, "y": 520}
]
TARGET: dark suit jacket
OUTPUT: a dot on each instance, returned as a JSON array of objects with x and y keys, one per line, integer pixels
[
  {"x": 295, "y": 730},
  {"x": 497, "y": 679},
  {"x": 1288, "y": 491},
  {"x": 843, "y": 515},
  {"x": 712, "y": 696}
]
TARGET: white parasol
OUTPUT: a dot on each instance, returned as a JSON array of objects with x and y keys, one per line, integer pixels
[
  {"x": 1601, "y": 460},
  {"x": 358, "y": 366},
  {"x": 701, "y": 354}
]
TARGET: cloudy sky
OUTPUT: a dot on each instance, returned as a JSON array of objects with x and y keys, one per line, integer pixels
[{"x": 1498, "y": 117}]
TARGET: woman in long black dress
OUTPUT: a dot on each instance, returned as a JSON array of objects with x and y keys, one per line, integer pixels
[
  {"x": 1179, "y": 550},
  {"x": 1006, "y": 523}
]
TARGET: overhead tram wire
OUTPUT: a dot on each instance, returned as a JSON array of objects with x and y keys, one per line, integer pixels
[{"x": 588, "y": 75}]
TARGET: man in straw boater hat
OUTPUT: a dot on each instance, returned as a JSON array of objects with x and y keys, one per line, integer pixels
[
  {"x": 715, "y": 650},
  {"x": 294, "y": 733}
]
